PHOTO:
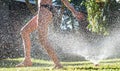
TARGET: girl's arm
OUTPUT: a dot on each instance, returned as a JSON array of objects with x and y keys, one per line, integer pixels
[{"x": 76, "y": 14}]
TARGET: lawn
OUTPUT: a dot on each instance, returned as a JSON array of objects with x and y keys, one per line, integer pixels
[{"x": 42, "y": 65}]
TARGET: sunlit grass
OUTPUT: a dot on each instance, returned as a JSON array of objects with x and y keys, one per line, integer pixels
[{"x": 42, "y": 65}]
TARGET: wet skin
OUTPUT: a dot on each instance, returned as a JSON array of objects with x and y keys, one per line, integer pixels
[{"x": 40, "y": 22}]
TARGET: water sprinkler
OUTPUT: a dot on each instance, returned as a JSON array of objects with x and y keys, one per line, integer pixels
[{"x": 96, "y": 64}]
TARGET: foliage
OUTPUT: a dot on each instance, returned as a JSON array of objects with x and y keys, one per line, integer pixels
[
  {"x": 96, "y": 16},
  {"x": 97, "y": 12}
]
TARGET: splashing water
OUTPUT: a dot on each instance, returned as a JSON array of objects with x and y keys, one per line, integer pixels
[{"x": 91, "y": 47}]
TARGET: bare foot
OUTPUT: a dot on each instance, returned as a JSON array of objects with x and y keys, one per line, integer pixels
[
  {"x": 59, "y": 66},
  {"x": 25, "y": 63}
]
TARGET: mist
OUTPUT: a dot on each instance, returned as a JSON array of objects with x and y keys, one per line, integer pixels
[{"x": 90, "y": 46}]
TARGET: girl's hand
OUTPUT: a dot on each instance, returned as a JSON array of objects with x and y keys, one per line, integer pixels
[{"x": 79, "y": 16}]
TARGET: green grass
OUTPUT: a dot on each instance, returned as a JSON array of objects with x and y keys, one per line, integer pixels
[{"x": 42, "y": 65}]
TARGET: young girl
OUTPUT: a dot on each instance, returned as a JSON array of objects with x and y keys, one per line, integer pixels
[{"x": 41, "y": 22}]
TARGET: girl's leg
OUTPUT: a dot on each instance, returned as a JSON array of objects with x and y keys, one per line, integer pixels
[{"x": 25, "y": 34}]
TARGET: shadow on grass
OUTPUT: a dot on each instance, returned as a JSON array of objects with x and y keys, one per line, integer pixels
[
  {"x": 96, "y": 68},
  {"x": 10, "y": 63},
  {"x": 6, "y": 63}
]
